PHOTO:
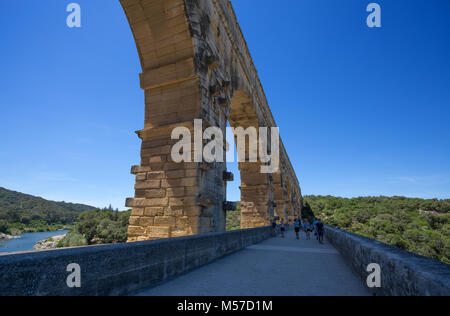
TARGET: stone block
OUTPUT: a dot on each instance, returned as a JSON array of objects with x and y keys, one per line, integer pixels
[
  {"x": 156, "y": 175},
  {"x": 184, "y": 182},
  {"x": 157, "y": 159},
  {"x": 137, "y": 211},
  {"x": 155, "y": 193},
  {"x": 134, "y": 220},
  {"x": 156, "y": 202},
  {"x": 149, "y": 184},
  {"x": 173, "y": 174},
  {"x": 191, "y": 173},
  {"x": 184, "y": 201},
  {"x": 165, "y": 221},
  {"x": 146, "y": 221},
  {"x": 193, "y": 211},
  {"x": 174, "y": 211},
  {"x": 191, "y": 191},
  {"x": 136, "y": 231},
  {"x": 141, "y": 177},
  {"x": 158, "y": 232},
  {"x": 175, "y": 192},
  {"x": 154, "y": 211}
]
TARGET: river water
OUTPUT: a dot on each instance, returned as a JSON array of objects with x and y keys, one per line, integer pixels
[{"x": 27, "y": 241}]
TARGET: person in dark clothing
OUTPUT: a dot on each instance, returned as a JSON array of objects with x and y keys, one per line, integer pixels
[
  {"x": 274, "y": 227},
  {"x": 297, "y": 226},
  {"x": 320, "y": 230}
]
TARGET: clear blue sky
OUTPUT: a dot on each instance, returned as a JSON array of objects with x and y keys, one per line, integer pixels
[{"x": 361, "y": 111}]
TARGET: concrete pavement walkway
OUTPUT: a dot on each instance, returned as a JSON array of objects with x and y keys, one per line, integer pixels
[{"x": 274, "y": 267}]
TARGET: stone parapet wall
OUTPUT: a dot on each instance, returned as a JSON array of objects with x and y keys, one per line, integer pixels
[
  {"x": 402, "y": 273},
  {"x": 119, "y": 269}
]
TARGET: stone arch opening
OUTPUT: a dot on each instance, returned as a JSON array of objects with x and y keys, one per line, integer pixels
[{"x": 233, "y": 185}]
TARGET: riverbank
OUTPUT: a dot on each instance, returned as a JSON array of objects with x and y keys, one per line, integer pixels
[
  {"x": 27, "y": 241},
  {"x": 4, "y": 237},
  {"x": 49, "y": 243},
  {"x": 15, "y": 229}
]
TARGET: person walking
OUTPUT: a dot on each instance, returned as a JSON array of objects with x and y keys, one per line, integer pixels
[
  {"x": 315, "y": 227},
  {"x": 308, "y": 229},
  {"x": 320, "y": 231},
  {"x": 297, "y": 227},
  {"x": 282, "y": 228},
  {"x": 274, "y": 227}
]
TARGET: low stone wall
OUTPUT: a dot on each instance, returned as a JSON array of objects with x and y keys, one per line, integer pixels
[
  {"x": 402, "y": 273},
  {"x": 119, "y": 269}
]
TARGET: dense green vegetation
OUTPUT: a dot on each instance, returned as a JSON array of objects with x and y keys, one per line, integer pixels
[
  {"x": 417, "y": 225},
  {"x": 98, "y": 227},
  {"x": 307, "y": 212},
  {"x": 234, "y": 219},
  {"x": 26, "y": 213}
]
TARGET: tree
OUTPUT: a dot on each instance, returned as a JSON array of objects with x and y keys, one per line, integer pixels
[
  {"x": 104, "y": 226},
  {"x": 3, "y": 226}
]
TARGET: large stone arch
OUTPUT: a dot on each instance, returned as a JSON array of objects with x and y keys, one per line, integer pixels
[{"x": 196, "y": 65}]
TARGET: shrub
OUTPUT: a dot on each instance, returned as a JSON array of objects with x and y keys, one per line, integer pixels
[{"x": 72, "y": 239}]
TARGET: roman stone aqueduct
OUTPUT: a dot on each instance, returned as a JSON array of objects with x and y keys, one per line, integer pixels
[{"x": 196, "y": 65}]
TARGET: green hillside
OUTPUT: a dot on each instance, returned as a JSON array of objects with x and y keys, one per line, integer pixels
[
  {"x": 26, "y": 213},
  {"x": 417, "y": 225}
]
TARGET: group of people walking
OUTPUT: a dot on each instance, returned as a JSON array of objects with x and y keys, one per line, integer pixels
[{"x": 315, "y": 227}]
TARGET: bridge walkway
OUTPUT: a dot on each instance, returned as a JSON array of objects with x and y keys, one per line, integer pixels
[{"x": 274, "y": 267}]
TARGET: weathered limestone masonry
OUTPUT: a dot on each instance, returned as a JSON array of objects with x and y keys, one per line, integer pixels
[{"x": 196, "y": 65}]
